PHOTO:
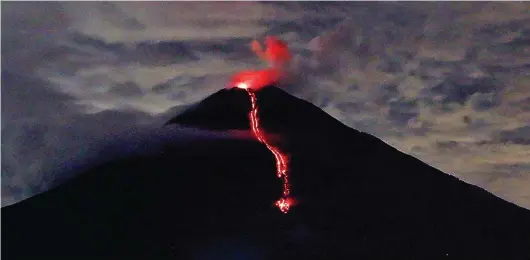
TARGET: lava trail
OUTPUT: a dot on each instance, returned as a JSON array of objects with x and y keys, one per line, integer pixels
[{"x": 284, "y": 203}]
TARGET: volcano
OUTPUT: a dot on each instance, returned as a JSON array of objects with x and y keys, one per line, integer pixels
[{"x": 356, "y": 198}]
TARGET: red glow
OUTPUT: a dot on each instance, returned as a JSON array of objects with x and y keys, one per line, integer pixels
[
  {"x": 255, "y": 79},
  {"x": 278, "y": 56},
  {"x": 284, "y": 203},
  {"x": 277, "y": 52}
]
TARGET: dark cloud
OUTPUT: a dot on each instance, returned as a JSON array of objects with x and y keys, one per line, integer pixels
[
  {"x": 467, "y": 119},
  {"x": 127, "y": 89},
  {"x": 28, "y": 32},
  {"x": 145, "y": 53},
  {"x": 419, "y": 127},
  {"x": 475, "y": 124},
  {"x": 306, "y": 27},
  {"x": 28, "y": 97},
  {"x": 430, "y": 69},
  {"x": 385, "y": 92},
  {"x": 402, "y": 110},
  {"x": 523, "y": 104},
  {"x": 506, "y": 171},
  {"x": 229, "y": 46},
  {"x": 38, "y": 154},
  {"x": 370, "y": 30},
  {"x": 43, "y": 130},
  {"x": 512, "y": 169},
  {"x": 162, "y": 53},
  {"x": 460, "y": 89},
  {"x": 164, "y": 117},
  {"x": 520, "y": 135},
  {"x": 85, "y": 41},
  {"x": 446, "y": 144},
  {"x": 391, "y": 65},
  {"x": 485, "y": 101},
  {"x": 517, "y": 28},
  {"x": 180, "y": 87},
  {"x": 118, "y": 17},
  {"x": 350, "y": 107},
  {"x": 150, "y": 53}
]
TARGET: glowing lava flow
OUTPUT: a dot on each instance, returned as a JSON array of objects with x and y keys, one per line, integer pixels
[
  {"x": 278, "y": 56},
  {"x": 284, "y": 203}
]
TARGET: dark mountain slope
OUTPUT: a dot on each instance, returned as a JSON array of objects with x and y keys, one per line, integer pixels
[
  {"x": 279, "y": 111},
  {"x": 358, "y": 198}
]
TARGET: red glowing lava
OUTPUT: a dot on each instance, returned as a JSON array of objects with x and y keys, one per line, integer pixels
[
  {"x": 278, "y": 56},
  {"x": 284, "y": 203},
  {"x": 255, "y": 79}
]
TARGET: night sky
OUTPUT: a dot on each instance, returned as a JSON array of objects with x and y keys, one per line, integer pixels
[{"x": 448, "y": 83}]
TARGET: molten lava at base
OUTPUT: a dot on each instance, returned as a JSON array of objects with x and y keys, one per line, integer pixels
[{"x": 284, "y": 203}]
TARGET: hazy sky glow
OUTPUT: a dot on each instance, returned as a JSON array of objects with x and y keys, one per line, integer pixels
[{"x": 446, "y": 82}]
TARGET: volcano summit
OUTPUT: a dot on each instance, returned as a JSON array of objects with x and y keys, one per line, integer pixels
[{"x": 356, "y": 198}]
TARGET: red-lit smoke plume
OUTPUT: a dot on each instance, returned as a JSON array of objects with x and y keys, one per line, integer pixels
[{"x": 277, "y": 55}]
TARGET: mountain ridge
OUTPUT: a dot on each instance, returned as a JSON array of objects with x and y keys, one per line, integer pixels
[{"x": 213, "y": 199}]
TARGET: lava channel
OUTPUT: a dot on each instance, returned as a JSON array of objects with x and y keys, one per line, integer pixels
[{"x": 285, "y": 202}]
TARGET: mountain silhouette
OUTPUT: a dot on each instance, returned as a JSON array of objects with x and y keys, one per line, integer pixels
[{"x": 356, "y": 198}]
